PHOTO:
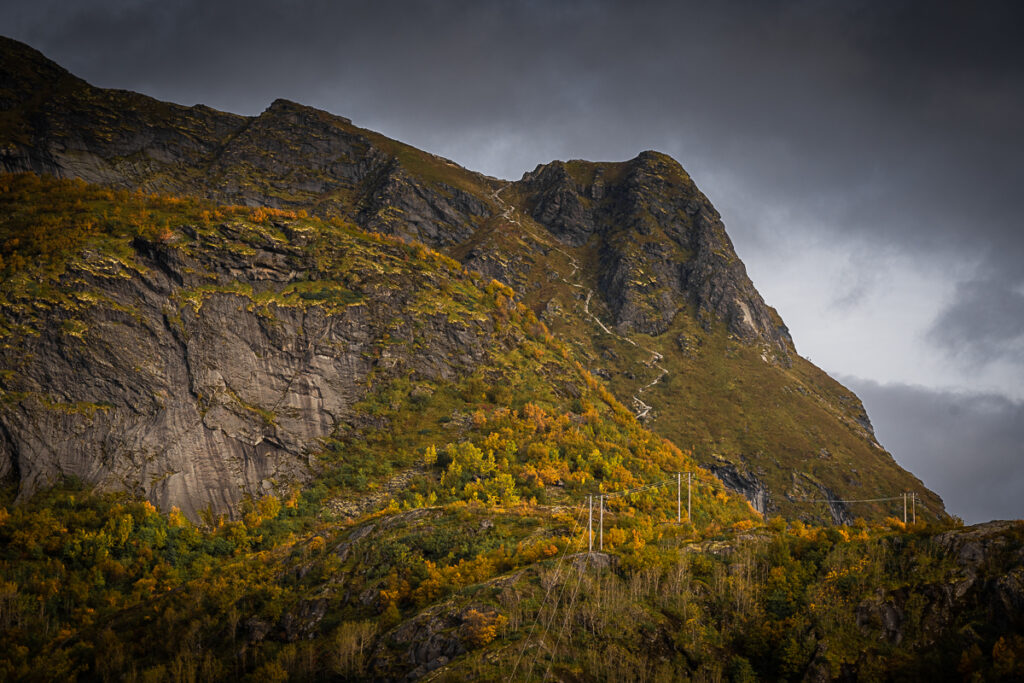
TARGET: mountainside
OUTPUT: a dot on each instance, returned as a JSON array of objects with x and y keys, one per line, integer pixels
[
  {"x": 283, "y": 399},
  {"x": 628, "y": 261},
  {"x": 198, "y": 363}
]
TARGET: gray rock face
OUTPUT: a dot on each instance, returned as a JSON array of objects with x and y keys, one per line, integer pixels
[
  {"x": 395, "y": 203},
  {"x": 428, "y": 641},
  {"x": 195, "y": 383},
  {"x": 661, "y": 244},
  {"x": 746, "y": 484},
  {"x": 559, "y": 203}
]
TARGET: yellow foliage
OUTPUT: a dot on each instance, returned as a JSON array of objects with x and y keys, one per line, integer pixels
[
  {"x": 537, "y": 415},
  {"x": 615, "y": 537},
  {"x": 478, "y": 628},
  {"x": 895, "y": 524},
  {"x": 269, "y": 507},
  {"x": 176, "y": 518}
]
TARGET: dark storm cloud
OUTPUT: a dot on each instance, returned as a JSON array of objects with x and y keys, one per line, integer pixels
[
  {"x": 895, "y": 123},
  {"x": 985, "y": 322},
  {"x": 968, "y": 448}
]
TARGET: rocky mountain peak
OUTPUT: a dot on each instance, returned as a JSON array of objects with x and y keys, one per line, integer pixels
[
  {"x": 660, "y": 243},
  {"x": 299, "y": 113}
]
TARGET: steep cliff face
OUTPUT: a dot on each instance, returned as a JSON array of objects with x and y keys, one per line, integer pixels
[{"x": 205, "y": 363}]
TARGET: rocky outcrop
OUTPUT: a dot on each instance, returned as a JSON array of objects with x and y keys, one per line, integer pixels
[
  {"x": 396, "y": 203},
  {"x": 558, "y": 203},
  {"x": 744, "y": 483},
  {"x": 426, "y": 643},
  {"x": 661, "y": 245},
  {"x": 981, "y": 592}
]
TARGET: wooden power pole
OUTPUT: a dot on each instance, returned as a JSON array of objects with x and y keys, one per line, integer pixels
[
  {"x": 679, "y": 497},
  {"x": 600, "y": 526},
  {"x": 689, "y": 497}
]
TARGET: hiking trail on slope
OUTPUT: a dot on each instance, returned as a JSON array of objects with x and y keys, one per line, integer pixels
[{"x": 642, "y": 410}]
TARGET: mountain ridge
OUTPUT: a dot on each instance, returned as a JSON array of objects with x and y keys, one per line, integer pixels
[{"x": 631, "y": 247}]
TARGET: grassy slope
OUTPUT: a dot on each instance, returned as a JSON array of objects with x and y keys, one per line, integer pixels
[{"x": 721, "y": 397}]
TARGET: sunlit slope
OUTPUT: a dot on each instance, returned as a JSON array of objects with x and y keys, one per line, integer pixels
[
  {"x": 199, "y": 355},
  {"x": 622, "y": 260}
]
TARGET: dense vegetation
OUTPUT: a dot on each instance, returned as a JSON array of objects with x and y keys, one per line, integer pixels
[
  {"x": 453, "y": 540},
  {"x": 99, "y": 586},
  {"x": 420, "y": 510}
]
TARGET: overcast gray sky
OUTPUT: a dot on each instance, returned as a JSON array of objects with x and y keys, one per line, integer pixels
[{"x": 865, "y": 156}]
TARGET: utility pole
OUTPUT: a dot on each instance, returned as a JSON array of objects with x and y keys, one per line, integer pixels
[
  {"x": 679, "y": 497},
  {"x": 913, "y": 505},
  {"x": 904, "y": 507},
  {"x": 590, "y": 522},
  {"x": 600, "y": 528},
  {"x": 689, "y": 497}
]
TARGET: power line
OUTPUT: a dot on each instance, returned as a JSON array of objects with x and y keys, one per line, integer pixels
[
  {"x": 568, "y": 616},
  {"x": 837, "y": 500},
  {"x": 558, "y": 566},
  {"x": 551, "y": 620},
  {"x": 907, "y": 496}
]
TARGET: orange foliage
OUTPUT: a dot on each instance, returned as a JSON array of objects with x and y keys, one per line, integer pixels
[{"x": 480, "y": 628}]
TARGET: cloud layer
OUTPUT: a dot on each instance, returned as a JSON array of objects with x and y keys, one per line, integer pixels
[{"x": 966, "y": 447}]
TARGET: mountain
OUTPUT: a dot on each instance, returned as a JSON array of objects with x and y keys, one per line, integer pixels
[
  {"x": 281, "y": 398},
  {"x": 628, "y": 262}
]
